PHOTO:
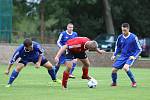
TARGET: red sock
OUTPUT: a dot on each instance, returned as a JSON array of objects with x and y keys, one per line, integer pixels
[
  {"x": 85, "y": 71},
  {"x": 65, "y": 79}
]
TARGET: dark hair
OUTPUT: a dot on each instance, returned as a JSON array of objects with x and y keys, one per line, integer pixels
[
  {"x": 69, "y": 24},
  {"x": 125, "y": 25},
  {"x": 27, "y": 42}
]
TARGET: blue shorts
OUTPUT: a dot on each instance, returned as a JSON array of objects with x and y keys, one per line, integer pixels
[
  {"x": 26, "y": 61},
  {"x": 62, "y": 59},
  {"x": 119, "y": 63}
]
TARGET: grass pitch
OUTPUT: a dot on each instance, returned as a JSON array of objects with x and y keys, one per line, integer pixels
[{"x": 35, "y": 84}]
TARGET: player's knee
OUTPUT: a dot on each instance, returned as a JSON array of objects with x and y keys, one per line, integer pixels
[
  {"x": 74, "y": 60},
  {"x": 18, "y": 69},
  {"x": 69, "y": 66},
  {"x": 114, "y": 70},
  {"x": 58, "y": 65},
  {"x": 48, "y": 65},
  {"x": 126, "y": 67},
  {"x": 87, "y": 64}
]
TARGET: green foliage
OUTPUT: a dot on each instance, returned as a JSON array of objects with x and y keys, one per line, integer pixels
[
  {"x": 86, "y": 15},
  {"x": 135, "y": 12},
  {"x": 27, "y": 25}
]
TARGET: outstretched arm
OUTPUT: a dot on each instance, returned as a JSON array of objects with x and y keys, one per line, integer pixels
[
  {"x": 38, "y": 63},
  {"x": 100, "y": 51},
  {"x": 60, "y": 52},
  {"x": 8, "y": 69},
  {"x": 117, "y": 49},
  {"x": 41, "y": 53},
  {"x": 15, "y": 56}
]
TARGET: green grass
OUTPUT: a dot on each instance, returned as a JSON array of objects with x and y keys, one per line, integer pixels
[{"x": 32, "y": 84}]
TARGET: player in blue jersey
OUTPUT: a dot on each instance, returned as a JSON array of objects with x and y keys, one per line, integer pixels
[
  {"x": 129, "y": 48},
  {"x": 63, "y": 38},
  {"x": 29, "y": 51}
]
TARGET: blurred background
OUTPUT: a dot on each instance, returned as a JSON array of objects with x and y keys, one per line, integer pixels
[{"x": 43, "y": 20}]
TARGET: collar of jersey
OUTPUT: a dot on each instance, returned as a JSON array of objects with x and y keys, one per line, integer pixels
[
  {"x": 127, "y": 36},
  {"x": 25, "y": 48},
  {"x": 68, "y": 33}
]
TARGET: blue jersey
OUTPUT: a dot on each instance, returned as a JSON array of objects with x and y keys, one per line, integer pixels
[
  {"x": 128, "y": 46},
  {"x": 64, "y": 37},
  {"x": 29, "y": 56}
]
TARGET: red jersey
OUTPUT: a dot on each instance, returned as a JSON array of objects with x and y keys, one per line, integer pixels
[{"x": 77, "y": 45}]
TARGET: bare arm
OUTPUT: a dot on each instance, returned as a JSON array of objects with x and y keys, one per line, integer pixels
[
  {"x": 99, "y": 51},
  {"x": 8, "y": 69},
  {"x": 39, "y": 62},
  {"x": 40, "y": 58},
  {"x": 15, "y": 56},
  {"x": 41, "y": 53},
  {"x": 61, "y": 50}
]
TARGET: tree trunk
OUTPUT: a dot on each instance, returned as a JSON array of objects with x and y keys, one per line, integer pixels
[
  {"x": 108, "y": 17},
  {"x": 42, "y": 23}
]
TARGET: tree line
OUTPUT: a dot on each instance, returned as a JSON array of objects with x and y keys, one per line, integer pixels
[{"x": 90, "y": 17}]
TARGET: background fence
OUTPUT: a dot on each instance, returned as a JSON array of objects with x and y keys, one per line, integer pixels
[
  {"x": 5, "y": 20},
  {"x": 96, "y": 60}
]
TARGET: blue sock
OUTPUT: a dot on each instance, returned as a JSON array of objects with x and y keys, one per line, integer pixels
[
  {"x": 73, "y": 67},
  {"x": 52, "y": 73},
  {"x": 114, "y": 77},
  {"x": 129, "y": 73},
  {"x": 13, "y": 76},
  {"x": 56, "y": 69}
]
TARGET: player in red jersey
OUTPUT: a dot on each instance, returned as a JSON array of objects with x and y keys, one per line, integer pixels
[{"x": 75, "y": 48}]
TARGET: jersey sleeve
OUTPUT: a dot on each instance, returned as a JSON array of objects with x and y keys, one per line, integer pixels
[
  {"x": 138, "y": 48},
  {"x": 16, "y": 55},
  {"x": 59, "y": 44},
  {"x": 117, "y": 46},
  {"x": 76, "y": 34},
  {"x": 40, "y": 49}
]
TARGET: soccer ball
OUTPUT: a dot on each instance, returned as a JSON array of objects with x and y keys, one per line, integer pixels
[{"x": 92, "y": 83}]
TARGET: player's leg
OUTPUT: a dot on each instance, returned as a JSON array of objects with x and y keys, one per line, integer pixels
[
  {"x": 15, "y": 73},
  {"x": 72, "y": 69},
  {"x": 86, "y": 63},
  {"x": 57, "y": 66},
  {"x": 126, "y": 67},
  {"x": 61, "y": 61},
  {"x": 66, "y": 73},
  {"x": 118, "y": 64},
  {"x": 85, "y": 68},
  {"x": 50, "y": 68},
  {"x": 68, "y": 63},
  {"x": 114, "y": 76},
  {"x": 129, "y": 73}
]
